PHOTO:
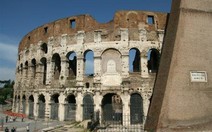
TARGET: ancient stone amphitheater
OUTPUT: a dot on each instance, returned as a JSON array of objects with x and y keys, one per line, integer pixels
[{"x": 76, "y": 68}]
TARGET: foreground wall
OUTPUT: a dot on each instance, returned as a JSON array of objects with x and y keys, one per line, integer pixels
[{"x": 182, "y": 94}]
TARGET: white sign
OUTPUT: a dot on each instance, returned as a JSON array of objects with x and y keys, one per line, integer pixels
[{"x": 198, "y": 76}]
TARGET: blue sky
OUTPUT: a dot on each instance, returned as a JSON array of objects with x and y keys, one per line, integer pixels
[{"x": 18, "y": 17}]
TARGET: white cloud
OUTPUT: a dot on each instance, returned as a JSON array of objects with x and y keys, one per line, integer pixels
[
  {"x": 7, "y": 73},
  {"x": 8, "y": 52}
]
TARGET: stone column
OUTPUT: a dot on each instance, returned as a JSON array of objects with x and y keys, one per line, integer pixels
[
  {"x": 20, "y": 104},
  {"x": 146, "y": 103},
  {"x": 142, "y": 35},
  {"x": 125, "y": 65},
  {"x": 27, "y": 106},
  {"x": 17, "y": 105},
  {"x": 80, "y": 70},
  {"x": 39, "y": 74},
  {"x": 49, "y": 72},
  {"x": 35, "y": 111},
  {"x": 31, "y": 75},
  {"x": 144, "y": 68},
  {"x": 97, "y": 69},
  {"x": 126, "y": 109},
  {"x": 64, "y": 71},
  {"x": 24, "y": 77},
  {"x": 79, "y": 110},
  {"x": 61, "y": 111},
  {"x": 47, "y": 106},
  {"x": 97, "y": 103}
]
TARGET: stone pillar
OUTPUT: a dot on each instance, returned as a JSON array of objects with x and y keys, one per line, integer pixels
[
  {"x": 47, "y": 106},
  {"x": 80, "y": 70},
  {"x": 20, "y": 104},
  {"x": 17, "y": 105},
  {"x": 27, "y": 106},
  {"x": 125, "y": 65},
  {"x": 97, "y": 68},
  {"x": 97, "y": 104},
  {"x": 61, "y": 111},
  {"x": 80, "y": 37},
  {"x": 24, "y": 77},
  {"x": 146, "y": 103},
  {"x": 31, "y": 75},
  {"x": 49, "y": 72},
  {"x": 64, "y": 71},
  {"x": 35, "y": 111},
  {"x": 39, "y": 74},
  {"x": 142, "y": 35},
  {"x": 125, "y": 109},
  {"x": 79, "y": 103},
  {"x": 144, "y": 68},
  {"x": 124, "y": 34},
  {"x": 97, "y": 36}
]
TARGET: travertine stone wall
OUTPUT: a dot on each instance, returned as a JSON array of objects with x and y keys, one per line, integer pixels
[{"x": 111, "y": 44}]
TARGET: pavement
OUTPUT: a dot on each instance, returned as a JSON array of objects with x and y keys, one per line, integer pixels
[{"x": 34, "y": 125}]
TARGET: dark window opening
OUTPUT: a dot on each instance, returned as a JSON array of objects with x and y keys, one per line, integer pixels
[
  {"x": 41, "y": 98},
  {"x": 46, "y": 30},
  {"x": 87, "y": 84},
  {"x": 34, "y": 67},
  {"x": 57, "y": 65},
  {"x": 72, "y": 24},
  {"x": 19, "y": 57},
  {"x": 150, "y": 19},
  {"x": 71, "y": 99},
  {"x": 31, "y": 98},
  {"x": 55, "y": 98},
  {"x": 29, "y": 38},
  {"x": 112, "y": 108},
  {"x": 153, "y": 60},
  {"x": 134, "y": 60},
  {"x": 44, "y": 48},
  {"x": 72, "y": 69},
  {"x": 43, "y": 61}
]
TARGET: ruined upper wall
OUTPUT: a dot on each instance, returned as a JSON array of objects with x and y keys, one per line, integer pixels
[{"x": 133, "y": 20}]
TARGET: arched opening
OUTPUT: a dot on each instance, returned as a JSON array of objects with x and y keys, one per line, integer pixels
[
  {"x": 34, "y": 67},
  {"x": 112, "y": 108},
  {"x": 87, "y": 84},
  {"x": 24, "y": 104},
  {"x": 88, "y": 107},
  {"x": 72, "y": 68},
  {"x": 134, "y": 60},
  {"x": 57, "y": 65},
  {"x": 41, "y": 106},
  {"x": 44, "y": 48},
  {"x": 153, "y": 60},
  {"x": 54, "y": 106},
  {"x": 89, "y": 63},
  {"x": 21, "y": 66},
  {"x": 31, "y": 106},
  {"x": 44, "y": 63},
  {"x": 26, "y": 68},
  {"x": 136, "y": 109},
  {"x": 70, "y": 109}
]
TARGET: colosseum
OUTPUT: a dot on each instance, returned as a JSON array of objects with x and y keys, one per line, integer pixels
[{"x": 75, "y": 68}]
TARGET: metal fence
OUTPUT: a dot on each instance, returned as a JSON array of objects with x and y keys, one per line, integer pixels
[{"x": 119, "y": 123}]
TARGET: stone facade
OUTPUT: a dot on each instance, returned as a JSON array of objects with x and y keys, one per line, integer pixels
[{"x": 51, "y": 79}]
